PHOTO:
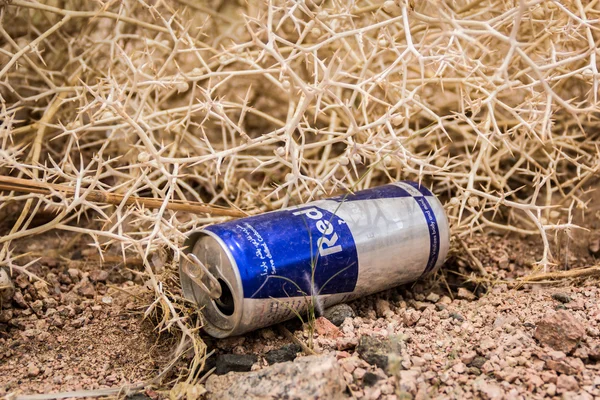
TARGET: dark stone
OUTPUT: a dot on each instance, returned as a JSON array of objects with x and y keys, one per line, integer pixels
[
  {"x": 474, "y": 371},
  {"x": 138, "y": 396},
  {"x": 234, "y": 362},
  {"x": 560, "y": 307},
  {"x": 529, "y": 325},
  {"x": 376, "y": 350},
  {"x": 457, "y": 317},
  {"x": 287, "y": 352},
  {"x": 370, "y": 379},
  {"x": 594, "y": 247},
  {"x": 562, "y": 297},
  {"x": 477, "y": 362},
  {"x": 337, "y": 314},
  {"x": 594, "y": 353},
  {"x": 440, "y": 306}
]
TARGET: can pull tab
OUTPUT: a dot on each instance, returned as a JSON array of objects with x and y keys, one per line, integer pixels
[{"x": 202, "y": 277}]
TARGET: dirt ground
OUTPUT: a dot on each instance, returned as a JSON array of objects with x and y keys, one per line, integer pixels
[{"x": 461, "y": 337}]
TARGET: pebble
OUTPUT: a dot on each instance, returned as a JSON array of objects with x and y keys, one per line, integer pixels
[
  {"x": 6, "y": 316},
  {"x": 477, "y": 362},
  {"x": 411, "y": 317},
  {"x": 33, "y": 370},
  {"x": 87, "y": 290},
  {"x": 375, "y": 350},
  {"x": 594, "y": 247},
  {"x": 559, "y": 330},
  {"x": 287, "y": 352},
  {"x": 98, "y": 275},
  {"x": 562, "y": 297},
  {"x": 566, "y": 383},
  {"x": 325, "y": 328},
  {"x": 432, "y": 297},
  {"x": 359, "y": 373},
  {"x": 313, "y": 377},
  {"x": 370, "y": 379},
  {"x": 382, "y": 308},
  {"x": 37, "y": 307},
  {"x": 488, "y": 390},
  {"x": 19, "y": 299},
  {"x": 338, "y": 313},
  {"x": 408, "y": 380},
  {"x": 465, "y": 294},
  {"x": 235, "y": 362},
  {"x": 457, "y": 317},
  {"x": 74, "y": 274},
  {"x": 7, "y": 287}
]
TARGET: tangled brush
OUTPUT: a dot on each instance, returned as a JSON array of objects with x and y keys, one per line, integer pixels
[{"x": 254, "y": 106}]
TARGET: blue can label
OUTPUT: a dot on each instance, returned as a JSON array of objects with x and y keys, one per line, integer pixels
[{"x": 291, "y": 253}]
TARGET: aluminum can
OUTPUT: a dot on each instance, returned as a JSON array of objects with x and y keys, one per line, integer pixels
[{"x": 256, "y": 271}]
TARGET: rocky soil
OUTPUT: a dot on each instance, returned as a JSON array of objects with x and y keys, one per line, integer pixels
[{"x": 446, "y": 337}]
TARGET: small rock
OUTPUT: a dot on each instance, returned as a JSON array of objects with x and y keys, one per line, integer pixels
[
  {"x": 50, "y": 303},
  {"x": 359, "y": 373},
  {"x": 376, "y": 350},
  {"x": 267, "y": 334},
  {"x": 382, "y": 308},
  {"x": 459, "y": 368},
  {"x": 408, "y": 380},
  {"x": 37, "y": 307},
  {"x": 99, "y": 275},
  {"x": 138, "y": 396},
  {"x": 5, "y": 316},
  {"x": 234, "y": 362},
  {"x": 370, "y": 379},
  {"x": 477, "y": 362},
  {"x": 74, "y": 274},
  {"x": 559, "y": 330},
  {"x": 313, "y": 377},
  {"x": 594, "y": 247},
  {"x": 107, "y": 300},
  {"x": 87, "y": 290},
  {"x": 78, "y": 323},
  {"x": 338, "y": 313},
  {"x": 457, "y": 317},
  {"x": 325, "y": 328},
  {"x": 594, "y": 353},
  {"x": 562, "y": 297},
  {"x": 432, "y": 297},
  {"x": 411, "y": 317},
  {"x": 19, "y": 299},
  {"x": 551, "y": 390},
  {"x": 468, "y": 358},
  {"x": 445, "y": 300},
  {"x": 32, "y": 370},
  {"x": 7, "y": 287},
  {"x": 488, "y": 390},
  {"x": 287, "y": 352},
  {"x": 41, "y": 289},
  {"x": 566, "y": 383},
  {"x": 465, "y": 294},
  {"x": 22, "y": 281}
]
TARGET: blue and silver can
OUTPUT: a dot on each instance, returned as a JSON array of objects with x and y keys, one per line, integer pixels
[{"x": 257, "y": 271}]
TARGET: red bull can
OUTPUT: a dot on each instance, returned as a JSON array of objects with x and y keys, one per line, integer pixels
[{"x": 253, "y": 272}]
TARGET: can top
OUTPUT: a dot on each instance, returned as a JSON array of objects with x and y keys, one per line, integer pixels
[{"x": 209, "y": 278}]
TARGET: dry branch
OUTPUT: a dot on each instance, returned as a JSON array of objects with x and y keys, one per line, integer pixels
[{"x": 97, "y": 196}]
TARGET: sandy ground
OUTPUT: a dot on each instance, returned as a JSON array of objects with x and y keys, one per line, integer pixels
[{"x": 458, "y": 337}]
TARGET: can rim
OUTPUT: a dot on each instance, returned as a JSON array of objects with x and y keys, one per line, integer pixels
[{"x": 235, "y": 287}]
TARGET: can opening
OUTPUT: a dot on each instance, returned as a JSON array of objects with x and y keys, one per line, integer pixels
[{"x": 225, "y": 302}]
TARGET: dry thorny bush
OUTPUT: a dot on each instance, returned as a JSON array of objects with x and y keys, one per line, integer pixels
[{"x": 258, "y": 105}]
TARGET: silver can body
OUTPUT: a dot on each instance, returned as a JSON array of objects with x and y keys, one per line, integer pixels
[{"x": 257, "y": 271}]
